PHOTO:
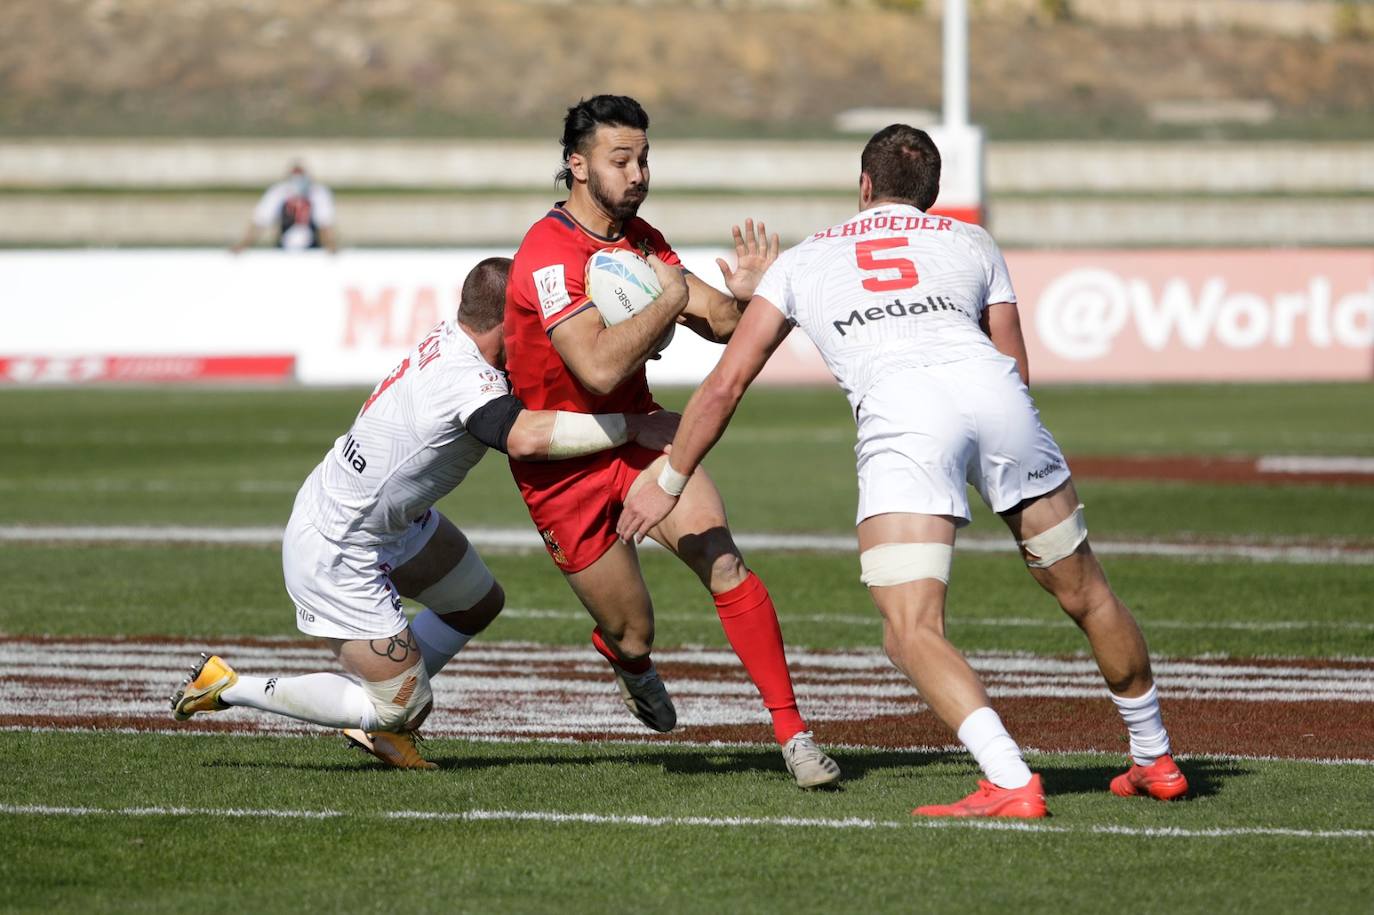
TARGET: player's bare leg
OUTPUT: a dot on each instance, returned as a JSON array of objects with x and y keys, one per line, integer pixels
[
  {"x": 391, "y": 667},
  {"x": 460, "y": 595},
  {"x": 697, "y": 533},
  {"x": 914, "y": 622},
  {"x": 1080, "y": 585},
  {"x": 613, "y": 591},
  {"x": 911, "y": 597}
]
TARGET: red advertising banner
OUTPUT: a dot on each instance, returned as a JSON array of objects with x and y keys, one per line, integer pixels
[
  {"x": 1088, "y": 316},
  {"x": 1196, "y": 315},
  {"x": 144, "y": 369}
]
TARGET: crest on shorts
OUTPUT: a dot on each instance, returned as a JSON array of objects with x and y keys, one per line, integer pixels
[{"x": 555, "y": 550}]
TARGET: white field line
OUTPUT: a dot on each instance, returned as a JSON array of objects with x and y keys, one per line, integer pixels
[
  {"x": 645, "y": 820},
  {"x": 1302, "y": 463},
  {"x": 526, "y": 539}
]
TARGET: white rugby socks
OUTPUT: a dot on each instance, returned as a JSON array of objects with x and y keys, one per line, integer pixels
[
  {"x": 997, "y": 754},
  {"x": 439, "y": 641},
  {"x": 1145, "y": 724},
  {"x": 332, "y": 700}
]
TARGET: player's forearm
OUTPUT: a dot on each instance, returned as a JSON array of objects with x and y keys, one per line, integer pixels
[
  {"x": 724, "y": 316},
  {"x": 703, "y": 422},
  {"x": 710, "y": 313},
  {"x": 618, "y": 352},
  {"x": 553, "y": 435},
  {"x": 1010, "y": 342}
]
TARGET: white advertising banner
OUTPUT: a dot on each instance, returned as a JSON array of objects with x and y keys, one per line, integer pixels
[{"x": 1118, "y": 316}]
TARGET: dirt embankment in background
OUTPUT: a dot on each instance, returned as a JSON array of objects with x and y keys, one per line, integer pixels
[{"x": 430, "y": 67}]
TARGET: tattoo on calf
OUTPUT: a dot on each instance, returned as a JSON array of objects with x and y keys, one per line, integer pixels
[{"x": 398, "y": 648}]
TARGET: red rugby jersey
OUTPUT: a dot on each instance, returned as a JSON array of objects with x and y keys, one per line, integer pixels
[{"x": 546, "y": 287}]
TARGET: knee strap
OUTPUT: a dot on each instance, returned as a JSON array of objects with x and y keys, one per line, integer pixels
[
  {"x": 897, "y": 563},
  {"x": 400, "y": 700},
  {"x": 464, "y": 585},
  {"x": 1048, "y": 547}
]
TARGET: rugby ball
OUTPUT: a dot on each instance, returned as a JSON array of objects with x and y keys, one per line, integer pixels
[{"x": 621, "y": 284}]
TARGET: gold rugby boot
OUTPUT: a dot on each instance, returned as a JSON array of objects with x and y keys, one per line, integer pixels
[
  {"x": 200, "y": 692},
  {"x": 395, "y": 749}
]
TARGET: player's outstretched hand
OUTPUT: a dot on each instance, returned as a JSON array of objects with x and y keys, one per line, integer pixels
[
  {"x": 754, "y": 254},
  {"x": 643, "y": 511},
  {"x": 655, "y": 430},
  {"x": 672, "y": 281}
]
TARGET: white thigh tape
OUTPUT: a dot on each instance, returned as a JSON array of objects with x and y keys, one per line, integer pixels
[
  {"x": 1048, "y": 547},
  {"x": 464, "y": 585},
  {"x": 897, "y": 563},
  {"x": 399, "y": 700}
]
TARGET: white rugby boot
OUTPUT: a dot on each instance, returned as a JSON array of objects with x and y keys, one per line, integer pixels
[{"x": 808, "y": 765}]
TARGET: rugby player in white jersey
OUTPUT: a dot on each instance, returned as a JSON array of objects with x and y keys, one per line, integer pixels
[
  {"x": 916, "y": 318},
  {"x": 364, "y": 532}
]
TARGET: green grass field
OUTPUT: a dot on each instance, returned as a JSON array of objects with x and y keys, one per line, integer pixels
[{"x": 106, "y": 820}]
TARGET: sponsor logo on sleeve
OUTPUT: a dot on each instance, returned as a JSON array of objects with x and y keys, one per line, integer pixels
[
  {"x": 552, "y": 288},
  {"x": 493, "y": 382}
]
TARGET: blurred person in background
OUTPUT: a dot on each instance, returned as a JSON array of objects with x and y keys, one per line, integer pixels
[
  {"x": 364, "y": 533},
  {"x": 562, "y": 356},
  {"x": 301, "y": 210},
  {"x": 916, "y": 318}
]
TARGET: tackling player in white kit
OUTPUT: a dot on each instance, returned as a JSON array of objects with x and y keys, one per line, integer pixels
[
  {"x": 916, "y": 318},
  {"x": 364, "y": 533}
]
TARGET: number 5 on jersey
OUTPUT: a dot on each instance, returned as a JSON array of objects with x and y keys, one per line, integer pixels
[{"x": 864, "y": 253}]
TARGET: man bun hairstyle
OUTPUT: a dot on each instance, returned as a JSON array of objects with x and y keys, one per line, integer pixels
[
  {"x": 483, "y": 305},
  {"x": 582, "y": 119},
  {"x": 904, "y": 165}
]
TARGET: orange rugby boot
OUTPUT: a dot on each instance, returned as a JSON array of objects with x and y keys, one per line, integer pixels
[
  {"x": 1161, "y": 780},
  {"x": 1026, "y": 803},
  {"x": 396, "y": 749},
  {"x": 200, "y": 692}
]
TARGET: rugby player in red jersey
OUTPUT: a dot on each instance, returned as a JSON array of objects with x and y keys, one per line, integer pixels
[{"x": 561, "y": 356}]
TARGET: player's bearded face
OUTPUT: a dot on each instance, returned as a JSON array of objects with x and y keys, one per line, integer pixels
[{"x": 618, "y": 172}]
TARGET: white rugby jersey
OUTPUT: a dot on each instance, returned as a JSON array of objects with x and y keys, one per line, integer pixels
[
  {"x": 890, "y": 288},
  {"x": 408, "y": 447}
]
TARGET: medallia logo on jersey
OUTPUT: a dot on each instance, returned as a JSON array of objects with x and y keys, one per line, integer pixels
[
  {"x": 352, "y": 456},
  {"x": 894, "y": 309}
]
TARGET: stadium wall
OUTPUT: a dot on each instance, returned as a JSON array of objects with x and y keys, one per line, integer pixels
[{"x": 1089, "y": 316}]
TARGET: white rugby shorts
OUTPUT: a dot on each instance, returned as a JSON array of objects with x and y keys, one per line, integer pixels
[
  {"x": 344, "y": 590},
  {"x": 925, "y": 432}
]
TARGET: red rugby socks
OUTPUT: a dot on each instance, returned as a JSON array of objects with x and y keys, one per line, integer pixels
[
  {"x": 630, "y": 667},
  {"x": 750, "y": 622}
]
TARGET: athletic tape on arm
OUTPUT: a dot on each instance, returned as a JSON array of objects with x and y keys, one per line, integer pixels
[
  {"x": 1048, "y": 547},
  {"x": 576, "y": 434},
  {"x": 898, "y": 563},
  {"x": 464, "y": 585},
  {"x": 401, "y": 699}
]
